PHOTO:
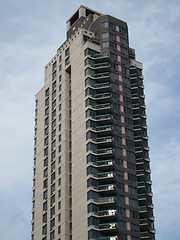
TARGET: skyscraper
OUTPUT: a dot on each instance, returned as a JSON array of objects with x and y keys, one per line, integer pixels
[{"x": 91, "y": 157}]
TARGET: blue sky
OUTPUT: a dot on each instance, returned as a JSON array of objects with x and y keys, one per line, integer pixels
[{"x": 30, "y": 33}]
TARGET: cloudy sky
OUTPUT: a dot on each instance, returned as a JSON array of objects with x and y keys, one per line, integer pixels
[{"x": 30, "y": 33}]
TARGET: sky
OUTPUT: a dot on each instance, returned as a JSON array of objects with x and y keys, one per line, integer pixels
[{"x": 30, "y": 34}]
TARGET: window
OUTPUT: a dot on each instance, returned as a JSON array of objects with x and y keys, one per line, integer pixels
[
  {"x": 67, "y": 61},
  {"x": 45, "y": 218},
  {"x": 52, "y": 177},
  {"x": 45, "y": 195},
  {"x": 59, "y": 217},
  {"x": 59, "y": 205},
  {"x": 52, "y": 235},
  {"x": 44, "y": 230},
  {"x": 36, "y": 103},
  {"x": 53, "y": 85},
  {"x": 59, "y": 170},
  {"x": 60, "y": 67},
  {"x": 53, "y": 95},
  {"x": 46, "y": 172},
  {"x": 60, "y": 77},
  {"x": 35, "y": 122},
  {"x": 47, "y": 102},
  {"x": 53, "y": 134},
  {"x": 45, "y": 206},
  {"x": 33, "y": 215},
  {"x": 53, "y": 155},
  {"x": 46, "y": 130},
  {"x": 52, "y": 223},
  {"x": 52, "y": 211},
  {"x": 46, "y": 141},
  {"x": 33, "y": 193},
  {"x": 47, "y": 92},
  {"x": 59, "y": 193},
  {"x": 60, "y": 58},
  {"x": 59, "y": 159},
  {"x": 54, "y": 66},
  {"x": 53, "y": 124},
  {"x": 53, "y": 75},
  {"x": 59, "y": 230},
  {"x": 53, "y": 114},
  {"x": 59, "y": 148},
  {"x": 46, "y": 151},
  {"x": 45, "y": 183},
  {"x": 46, "y": 111},
  {"x": 53, "y": 145},
  {"x": 46, "y": 121},
  {"x": 104, "y": 24},
  {"x": 67, "y": 52},
  {"x": 52, "y": 188},
  {"x": 52, "y": 166},
  {"x": 53, "y": 104},
  {"x": 59, "y": 182},
  {"x": 52, "y": 200},
  {"x": 45, "y": 162}
]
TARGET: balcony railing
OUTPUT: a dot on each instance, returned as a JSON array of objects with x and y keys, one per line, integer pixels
[
  {"x": 106, "y": 187},
  {"x": 104, "y": 213},
  {"x": 104, "y": 151},
  {"x": 107, "y": 226},
  {"x": 103, "y": 128},
  {"x": 101, "y": 85},
  {"x": 101, "y": 106},
  {"x": 104, "y": 139},
  {"x": 105, "y": 175},
  {"x": 105, "y": 200},
  {"x": 108, "y": 162},
  {"x": 101, "y": 95}
]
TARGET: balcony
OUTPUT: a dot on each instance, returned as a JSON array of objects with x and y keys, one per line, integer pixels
[
  {"x": 103, "y": 128},
  {"x": 106, "y": 187},
  {"x": 107, "y": 201},
  {"x": 142, "y": 209},
  {"x": 104, "y": 151},
  {"x": 144, "y": 235},
  {"x": 101, "y": 106},
  {"x": 107, "y": 226},
  {"x": 101, "y": 85},
  {"x": 101, "y": 75},
  {"x": 105, "y": 175},
  {"x": 143, "y": 221},
  {"x": 107, "y": 213},
  {"x": 101, "y": 96},
  {"x": 107, "y": 139},
  {"x": 142, "y": 196}
]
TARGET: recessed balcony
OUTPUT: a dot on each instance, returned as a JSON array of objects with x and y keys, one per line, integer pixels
[
  {"x": 107, "y": 213},
  {"x": 145, "y": 235},
  {"x": 106, "y": 187},
  {"x": 143, "y": 221},
  {"x": 107, "y": 226},
  {"x": 105, "y": 201},
  {"x": 100, "y": 96},
  {"x": 142, "y": 209},
  {"x": 107, "y": 139}
]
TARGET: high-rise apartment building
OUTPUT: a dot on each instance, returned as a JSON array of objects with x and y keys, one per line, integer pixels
[{"x": 91, "y": 157}]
